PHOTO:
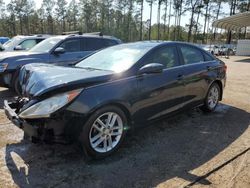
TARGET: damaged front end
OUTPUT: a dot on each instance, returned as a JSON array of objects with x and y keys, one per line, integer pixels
[
  {"x": 46, "y": 92},
  {"x": 42, "y": 120}
]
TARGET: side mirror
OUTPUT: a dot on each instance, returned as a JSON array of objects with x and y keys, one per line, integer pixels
[
  {"x": 151, "y": 68},
  {"x": 59, "y": 50},
  {"x": 19, "y": 47}
]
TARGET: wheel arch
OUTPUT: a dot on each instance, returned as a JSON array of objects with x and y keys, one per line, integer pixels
[
  {"x": 123, "y": 108},
  {"x": 118, "y": 104},
  {"x": 219, "y": 82},
  {"x": 79, "y": 125},
  {"x": 83, "y": 135}
]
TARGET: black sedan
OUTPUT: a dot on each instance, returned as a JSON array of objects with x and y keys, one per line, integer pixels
[{"x": 116, "y": 89}]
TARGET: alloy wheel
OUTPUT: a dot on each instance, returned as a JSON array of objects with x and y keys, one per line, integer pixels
[
  {"x": 213, "y": 97},
  {"x": 106, "y": 132}
]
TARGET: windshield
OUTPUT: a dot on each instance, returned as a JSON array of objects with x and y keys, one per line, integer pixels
[
  {"x": 46, "y": 45},
  {"x": 117, "y": 58},
  {"x": 12, "y": 42}
]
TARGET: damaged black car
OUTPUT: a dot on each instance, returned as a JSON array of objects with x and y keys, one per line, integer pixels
[{"x": 116, "y": 89}]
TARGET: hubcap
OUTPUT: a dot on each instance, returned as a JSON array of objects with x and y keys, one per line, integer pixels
[
  {"x": 106, "y": 132},
  {"x": 213, "y": 97}
]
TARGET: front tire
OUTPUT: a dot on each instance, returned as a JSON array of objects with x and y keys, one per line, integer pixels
[
  {"x": 14, "y": 82},
  {"x": 103, "y": 132},
  {"x": 212, "y": 98}
]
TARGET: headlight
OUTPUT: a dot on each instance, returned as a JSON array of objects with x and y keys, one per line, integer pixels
[
  {"x": 46, "y": 107},
  {"x": 3, "y": 67}
]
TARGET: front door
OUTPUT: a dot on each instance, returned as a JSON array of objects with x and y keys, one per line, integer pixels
[
  {"x": 72, "y": 53},
  {"x": 160, "y": 93}
]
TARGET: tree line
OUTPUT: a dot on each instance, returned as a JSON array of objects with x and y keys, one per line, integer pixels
[{"x": 120, "y": 18}]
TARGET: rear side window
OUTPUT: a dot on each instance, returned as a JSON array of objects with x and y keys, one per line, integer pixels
[
  {"x": 107, "y": 42},
  {"x": 208, "y": 57},
  {"x": 191, "y": 55},
  {"x": 92, "y": 44},
  {"x": 71, "y": 45},
  {"x": 165, "y": 56}
]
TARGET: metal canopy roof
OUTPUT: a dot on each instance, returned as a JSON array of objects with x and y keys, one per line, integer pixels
[{"x": 235, "y": 22}]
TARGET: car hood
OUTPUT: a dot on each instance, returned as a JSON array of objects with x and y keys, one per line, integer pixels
[
  {"x": 37, "y": 80},
  {"x": 5, "y": 55}
]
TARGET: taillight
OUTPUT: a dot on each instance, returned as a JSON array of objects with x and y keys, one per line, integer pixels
[{"x": 225, "y": 68}]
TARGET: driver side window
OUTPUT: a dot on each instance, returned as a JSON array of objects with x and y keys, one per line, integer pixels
[
  {"x": 27, "y": 44},
  {"x": 165, "y": 56}
]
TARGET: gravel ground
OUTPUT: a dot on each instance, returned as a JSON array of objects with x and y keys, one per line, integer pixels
[{"x": 191, "y": 149}]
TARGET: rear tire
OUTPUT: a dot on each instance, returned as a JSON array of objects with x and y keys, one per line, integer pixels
[
  {"x": 103, "y": 132},
  {"x": 212, "y": 98}
]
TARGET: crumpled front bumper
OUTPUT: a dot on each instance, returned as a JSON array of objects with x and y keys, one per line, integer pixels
[
  {"x": 48, "y": 130},
  {"x": 10, "y": 111}
]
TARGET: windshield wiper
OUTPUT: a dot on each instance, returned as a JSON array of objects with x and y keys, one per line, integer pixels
[{"x": 90, "y": 68}]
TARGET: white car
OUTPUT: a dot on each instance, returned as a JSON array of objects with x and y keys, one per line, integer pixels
[
  {"x": 208, "y": 48},
  {"x": 22, "y": 42}
]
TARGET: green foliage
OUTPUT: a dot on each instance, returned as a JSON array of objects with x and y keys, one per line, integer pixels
[{"x": 120, "y": 18}]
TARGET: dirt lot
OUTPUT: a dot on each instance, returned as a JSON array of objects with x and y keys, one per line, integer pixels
[{"x": 191, "y": 149}]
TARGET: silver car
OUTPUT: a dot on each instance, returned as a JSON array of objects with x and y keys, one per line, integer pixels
[{"x": 22, "y": 42}]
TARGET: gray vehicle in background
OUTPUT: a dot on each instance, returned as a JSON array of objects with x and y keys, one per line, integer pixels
[{"x": 22, "y": 42}]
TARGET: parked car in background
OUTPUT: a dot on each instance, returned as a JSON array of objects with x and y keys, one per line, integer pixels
[
  {"x": 215, "y": 50},
  {"x": 22, "y": 42},
  {"x": 227, "y": 49},
  {"x": 114, "y": 90},
  {"x": 61, "y": 50},
  {"x": 208, "y": 48},
  {"x": 3, "y": 40}
]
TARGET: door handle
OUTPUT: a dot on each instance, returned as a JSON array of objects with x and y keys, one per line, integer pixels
[
  {"x": 209, "y": 68},
  {"x": 180, "y": 77}
]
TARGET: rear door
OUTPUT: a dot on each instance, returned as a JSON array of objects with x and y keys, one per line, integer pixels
[
  {"x": 161, "y": 93},
  {"x": 197, "y": 73},
  {"x": 72, "y": 52}
]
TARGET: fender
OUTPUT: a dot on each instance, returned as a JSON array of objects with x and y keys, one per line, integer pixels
[{"x": 125, "y": 107}]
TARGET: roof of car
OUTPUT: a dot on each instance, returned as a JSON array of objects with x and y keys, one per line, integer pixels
[
  {"x": 4, "y": 38},
  {"x": 152, "y": 43},
  {"x": 93, "y": 36},
  {"x": 84, "y": 36},
  {"x": 32, "y": 36}
]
